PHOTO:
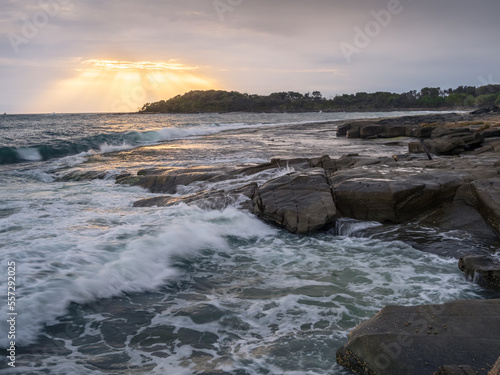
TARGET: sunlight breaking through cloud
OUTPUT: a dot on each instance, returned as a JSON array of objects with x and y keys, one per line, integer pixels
[
  {"x": 122, "y": 86},
  {"x": 144, "y": 65}
]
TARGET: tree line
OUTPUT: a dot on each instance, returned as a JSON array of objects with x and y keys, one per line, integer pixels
[{"x": 210, "y": 101}]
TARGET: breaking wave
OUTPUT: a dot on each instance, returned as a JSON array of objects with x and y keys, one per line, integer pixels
[{"x": 102, "y": 143}]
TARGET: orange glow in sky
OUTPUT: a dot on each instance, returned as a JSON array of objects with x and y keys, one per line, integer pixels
[{"x": 121, "y": 86}]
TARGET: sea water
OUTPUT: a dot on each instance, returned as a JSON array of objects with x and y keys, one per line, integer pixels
[{"x": 105, "y": 288}]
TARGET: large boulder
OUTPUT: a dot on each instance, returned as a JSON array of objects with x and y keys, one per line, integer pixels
[
  {"x": 487, "y": 194},
  {"x": 394, "y": 131},
  {"x": 301, "y": 203},
  {"x": 458, "y": 215},
  {"x": 369, "y": 130},
  {"x": 391, "y": 196},
  {"x": 420, "y": 131},
  {"x": 455, "y": 143},
  {"x": 416, "y": 340},
  {"x": 343, "y": 129},
  {"x": 446, "y": 142},
  {"x": 381, "y": 129}
]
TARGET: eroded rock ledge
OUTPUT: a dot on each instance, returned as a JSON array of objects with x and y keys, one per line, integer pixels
[
  {"x": 440, "y": 134},
  {"x": 451, "y": 193},
  {"x": 415, "y": 340},
  {"x": 318, "y": 191}
]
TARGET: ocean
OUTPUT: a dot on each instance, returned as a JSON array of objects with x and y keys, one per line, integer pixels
[{"x": 102, "y": 287}]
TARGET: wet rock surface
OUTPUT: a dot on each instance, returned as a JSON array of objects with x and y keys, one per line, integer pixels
[
  {"x": 487, "y": 194},
  {"x": 206, "y": 200},
  {"x": 417, "y": 126},
  {"x": 387, "y": 191},
  {"x": 420, "y": 340},
  {"x": 83, "y": 175},
  {"x": 449, "y": 142},
  {"x": 455, "y": 370},
  {"x": 482, "y": 269},
  {"x": 299, "y": 202},
  {"x": 395, "y": 197},
  {"x": 445, "y": 134},
  {"x": 167, "y": 181},
  {"x": 450, "y": 192}
]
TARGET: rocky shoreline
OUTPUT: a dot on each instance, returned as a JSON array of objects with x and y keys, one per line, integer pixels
[{"x": 450, "y": 179}]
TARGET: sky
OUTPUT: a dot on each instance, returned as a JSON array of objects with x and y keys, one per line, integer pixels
[{"x": 116, "y": 55}]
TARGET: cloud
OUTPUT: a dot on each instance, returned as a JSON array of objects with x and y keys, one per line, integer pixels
[
  {"x": 139, "y": 65},
  {"x": 276, "y": 43}
]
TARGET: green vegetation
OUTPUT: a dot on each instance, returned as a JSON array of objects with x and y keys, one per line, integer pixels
[{"x": 463, "y": 97}]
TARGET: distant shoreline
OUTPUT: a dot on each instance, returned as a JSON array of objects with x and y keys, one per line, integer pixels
[
  {"x": 220, "y": 101},
  {"x": 423, "y": 110}
]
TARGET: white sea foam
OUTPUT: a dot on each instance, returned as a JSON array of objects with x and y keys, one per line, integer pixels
[
  {"x": 84, "y": 242},
  {"x": 175, "y": 133},
  {"x": 69, "y": 161},
  {"x": 287, "y": 288},
  {"x": 35, "y": 174},
  {"x": 29, "y": 154},
  {"x": 105, "y": 148},
  {"x": 352, "y": 227}
]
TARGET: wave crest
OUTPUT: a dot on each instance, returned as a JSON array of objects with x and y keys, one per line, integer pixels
[{"x": 102, "y": 143}]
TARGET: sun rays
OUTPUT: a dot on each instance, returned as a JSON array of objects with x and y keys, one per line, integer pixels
[{"x": 122, "y": 86}]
